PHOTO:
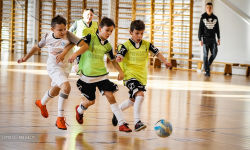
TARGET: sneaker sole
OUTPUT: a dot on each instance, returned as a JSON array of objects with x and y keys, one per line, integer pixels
[
  {"x": 60, "y": 128},
  {"x": 40, "y": 110},
  {"x": 125, "y": 131},
  {"x": 76, "y": 115},
  {"x": 141, "y": 128}
]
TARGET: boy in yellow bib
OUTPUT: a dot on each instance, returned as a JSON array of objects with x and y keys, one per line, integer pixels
[{"x": 133, "y": 57}]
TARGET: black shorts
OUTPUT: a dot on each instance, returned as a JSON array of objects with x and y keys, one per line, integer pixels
[
  {"x": 134, "y": 86},
  {"x": 78, "y": 59},
  {"x": 88, "y": 89}
]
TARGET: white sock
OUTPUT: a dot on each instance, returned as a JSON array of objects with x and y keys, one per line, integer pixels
[
  {"x": 126, "y": 104},
  {"x": 118, "y": 113},
  {"x": 73, "y": 69},
  {"x": 61, "y": 103},
  {"x": 81, "y": 109},
  {"x": 137, "y": 108},
  {"x": 46, "y": 98}
]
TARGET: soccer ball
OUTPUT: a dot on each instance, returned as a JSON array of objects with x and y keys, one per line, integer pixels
[{"x": 163, "y": 128}]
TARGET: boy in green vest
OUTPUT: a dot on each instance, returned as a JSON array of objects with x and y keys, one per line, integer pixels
[
  {"x": 133, "y": 57},
  {"x": 93, "y": 73},
  {"x": 82, "y": 28}
]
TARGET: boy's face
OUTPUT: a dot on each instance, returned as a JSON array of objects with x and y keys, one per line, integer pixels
[
  {"x": 105, "y": 32},
  {"x": 137, "y": 35},
  {"x": 88, "y": 16},
  {"x": 209, "y": 9},
  {"x": 59, "y": 30}
]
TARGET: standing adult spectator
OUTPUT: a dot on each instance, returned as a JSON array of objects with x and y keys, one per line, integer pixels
[
  {"x": 209, "y": 26},
  {"x": 82, "y": 28}
]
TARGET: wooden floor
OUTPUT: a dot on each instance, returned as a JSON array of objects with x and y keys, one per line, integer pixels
[{"x": 206, "y": 112}]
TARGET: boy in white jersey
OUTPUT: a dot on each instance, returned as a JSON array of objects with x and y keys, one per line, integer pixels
[
  {"x": 93, "y": 73},
  {"x": 133, "y": 57},
  {"x": 56, "y": 41}
]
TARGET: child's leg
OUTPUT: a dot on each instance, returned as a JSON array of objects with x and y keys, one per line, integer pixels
[
  {"x": 123, "y": 126},
  {"x": 64, "y": 94},
  {"x": 136, "y": 89},
  {"x": 80, "y": 109},
  {"x": 139, "y": 97},
  {"x": 115, "y": 107},
  {"x": 126, "y": 104},
  {"x": 60, "y": 79},
  {"x": 48, "y": 96},
  {"x": 107, "y": 88},
  {"x": 87, "y": 96},
  {"x": 54, "y": 91},
  {"x": 85, "y": 103}
]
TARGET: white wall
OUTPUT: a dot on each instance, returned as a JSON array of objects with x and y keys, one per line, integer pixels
[
  {"x": 242, "y": 5},
  {"x": 235, "y": 34}
]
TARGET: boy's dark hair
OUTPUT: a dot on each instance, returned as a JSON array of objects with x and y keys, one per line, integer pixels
[
  {"x": 107, "y": 22},
  {"x": 58, "y": 20},
  {"x": 209, "y": 3},
  {"x": 90, "y": 9},
  {"x": 137, "y": 25}
]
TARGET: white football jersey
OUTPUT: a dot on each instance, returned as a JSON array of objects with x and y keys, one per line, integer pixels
[{"x": 57, "y": 45}]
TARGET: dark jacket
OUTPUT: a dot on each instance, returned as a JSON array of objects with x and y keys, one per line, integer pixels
[{"x": 209, "y": 25}]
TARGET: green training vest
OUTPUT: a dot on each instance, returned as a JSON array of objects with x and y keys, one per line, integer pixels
[
  {"x": 91, "y": 62},
  {"x": 83, "y": 30}
]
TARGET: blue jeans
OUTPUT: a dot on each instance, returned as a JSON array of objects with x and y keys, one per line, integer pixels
[{"x": 209, "y": 44}]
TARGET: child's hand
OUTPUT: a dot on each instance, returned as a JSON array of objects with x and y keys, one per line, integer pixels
[
  {"x": 119, "y": 59},
  {"x": 72, "y": 58},
  {"x": 120, "y": 76},
  {"x": 60, "y": 58},
  {"x": 21, "y": 60},
  {"x": 168, "y": 65}
]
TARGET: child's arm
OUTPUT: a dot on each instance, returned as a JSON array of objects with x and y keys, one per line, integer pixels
[
  {"x": 121, "y": 53},
  {"x": 33, "y": 50},
  {"x": 115, "y": 64},
  {"x": 61, "y": 56},
  {"x": 157, "y": 53},
  {"x": 82, "y": 43},
  {"x": 118, "y": 68},
  {"x": 162, "y": 59},
  {"x": 84, "y": 47}
]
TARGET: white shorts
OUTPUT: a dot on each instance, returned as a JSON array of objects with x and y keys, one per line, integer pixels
[{"x": 58, "y": 75}]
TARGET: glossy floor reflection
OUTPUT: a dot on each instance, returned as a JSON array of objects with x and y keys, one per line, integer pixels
[{"x": 206, "y": 112}]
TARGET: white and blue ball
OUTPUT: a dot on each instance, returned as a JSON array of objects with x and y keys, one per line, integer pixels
[{"x": 163, "y": 128}]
